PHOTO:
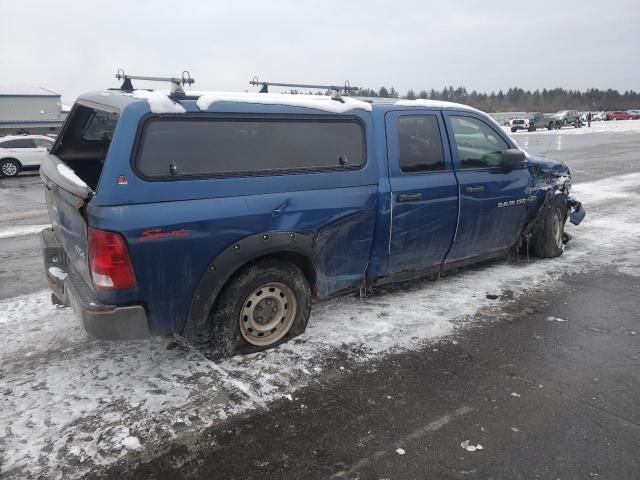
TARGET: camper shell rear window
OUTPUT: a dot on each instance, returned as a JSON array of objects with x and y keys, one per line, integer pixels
[
  {"x": 85, "y": 139},
  {"x": 170, "y": 147}
]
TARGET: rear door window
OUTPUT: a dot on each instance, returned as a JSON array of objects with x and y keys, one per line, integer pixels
[
  {"x": 42, "y": 143},
  {"x": 420, "y": 144},
  {"x": 218, "y": 147}
]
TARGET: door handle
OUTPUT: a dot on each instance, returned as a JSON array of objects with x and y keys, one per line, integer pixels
[
  {"x": 409, "y": 197},
  {"x": 474, "y": 189}
]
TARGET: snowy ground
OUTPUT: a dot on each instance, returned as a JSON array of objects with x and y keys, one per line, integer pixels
[{"x": 68, "y": 402}]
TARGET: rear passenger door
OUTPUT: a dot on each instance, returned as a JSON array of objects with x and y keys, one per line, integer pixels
[
  {"x": 424, "y": 190},
  {"x": 493, "y": 200}
]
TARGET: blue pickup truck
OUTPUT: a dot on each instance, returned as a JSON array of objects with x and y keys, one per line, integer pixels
[{"x": 222, "y": 216}]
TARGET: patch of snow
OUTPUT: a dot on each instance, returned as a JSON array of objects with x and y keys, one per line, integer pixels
[
  {"x": 70, "y": 175},
  {"x": 469, "y": 447},
  {"x": 58, "y": 273},
  {"x": 131, "y": 443},
  {"x": 159, "y": 102},
  {"x": 20, "y": 230},
  {"x": 318, "y": 102},
  {"x": 400, "y": 451},
  {"x": 515, "y": 394},
  {"x": 556, "y": 319}
]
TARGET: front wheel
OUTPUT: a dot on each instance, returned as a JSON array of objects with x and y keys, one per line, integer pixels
[
  {"x": 9, "y": 168},
  {"x": 548, "y": 242},
  {"x": 263, "y": 305}
]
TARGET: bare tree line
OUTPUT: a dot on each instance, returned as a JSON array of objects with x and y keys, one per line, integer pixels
[{"x": 519, "y": 100}]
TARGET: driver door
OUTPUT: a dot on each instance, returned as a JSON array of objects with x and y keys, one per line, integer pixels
[{"x": 493, "y": 200}]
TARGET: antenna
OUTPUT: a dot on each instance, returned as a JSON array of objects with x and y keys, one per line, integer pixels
[
  {"x": 176, "y": 83},
  {"x": 346, "y": 88}
]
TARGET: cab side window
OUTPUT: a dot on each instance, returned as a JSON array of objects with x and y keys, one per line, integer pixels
[
  {"x": 19, "y": 143},
  {"x": 479, "y": 146},
  {"x": 420, "y": 144}
]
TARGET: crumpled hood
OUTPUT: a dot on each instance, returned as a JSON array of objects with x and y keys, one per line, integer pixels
[{"x": 540, "y": 166}]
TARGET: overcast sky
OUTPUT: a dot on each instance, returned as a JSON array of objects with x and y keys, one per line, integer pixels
[{"x": 76, "y": 46}]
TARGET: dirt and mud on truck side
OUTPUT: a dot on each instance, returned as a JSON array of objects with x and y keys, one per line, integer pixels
[{"x": 222, "y": 216}]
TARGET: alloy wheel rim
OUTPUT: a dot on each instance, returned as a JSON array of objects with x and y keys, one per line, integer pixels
[
  {"x": 267, "y": 314},
  {"x": 9, "y": 169}
]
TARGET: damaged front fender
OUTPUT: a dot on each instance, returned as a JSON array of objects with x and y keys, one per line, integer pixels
[{"x": 549, "y": 188}]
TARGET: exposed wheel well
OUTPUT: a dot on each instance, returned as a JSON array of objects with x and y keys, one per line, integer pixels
[{"x": 303, "y": 262}]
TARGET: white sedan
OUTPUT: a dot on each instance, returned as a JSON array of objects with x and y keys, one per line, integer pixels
[{"x": 22, "y": 152}]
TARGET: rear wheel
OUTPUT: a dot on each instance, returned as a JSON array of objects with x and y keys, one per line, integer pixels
[
  {"x": 262, "y": 306},
  {"x": 550, "y": 127},
  {"x": 548, "y": 242},
  {"x": 9, "y": 168}
]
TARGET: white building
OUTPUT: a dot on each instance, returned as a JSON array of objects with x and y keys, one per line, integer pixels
[{"x": 30, "y": 110}]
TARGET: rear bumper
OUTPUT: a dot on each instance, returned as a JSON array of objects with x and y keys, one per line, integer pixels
[{"x": 102, "y": 321}]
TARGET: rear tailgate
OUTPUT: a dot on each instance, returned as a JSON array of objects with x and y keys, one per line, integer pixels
[{"x": 67, "y": 196}]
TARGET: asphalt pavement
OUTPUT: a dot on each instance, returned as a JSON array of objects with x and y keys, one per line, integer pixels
[{"x": 551, "y": 390}]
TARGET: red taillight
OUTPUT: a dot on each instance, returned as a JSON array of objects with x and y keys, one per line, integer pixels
[{"x": 109, "y": 261}]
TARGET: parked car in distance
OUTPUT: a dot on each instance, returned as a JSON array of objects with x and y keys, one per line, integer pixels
[
  {"x": 22, "y": 152},
  {"x": 221, "y": 216},
  {"x": 567, "y": 118},
  {"x": 622, "y": 115},
  {"x": 516, "y": 124},
  {"x": 540, "y": 120}
]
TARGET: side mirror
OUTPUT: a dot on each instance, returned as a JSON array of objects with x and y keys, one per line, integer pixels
[{"x": 514, "y": 159}]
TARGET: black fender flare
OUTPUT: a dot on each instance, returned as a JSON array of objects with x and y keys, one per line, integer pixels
[{"x": 230, "y": 260}]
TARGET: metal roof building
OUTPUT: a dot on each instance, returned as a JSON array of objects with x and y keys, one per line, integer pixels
[{"x": 32, "y": 110}]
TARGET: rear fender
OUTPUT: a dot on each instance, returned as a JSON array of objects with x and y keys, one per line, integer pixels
[{"x": 233, "y": 258}]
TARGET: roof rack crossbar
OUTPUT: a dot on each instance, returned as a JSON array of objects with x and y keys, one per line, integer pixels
[
  {"x": 346, "y": 88},
  {"x": 176, "y": 83}
]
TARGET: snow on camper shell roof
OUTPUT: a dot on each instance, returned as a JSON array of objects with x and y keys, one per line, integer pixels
[{"x": 160, "y": 102}]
